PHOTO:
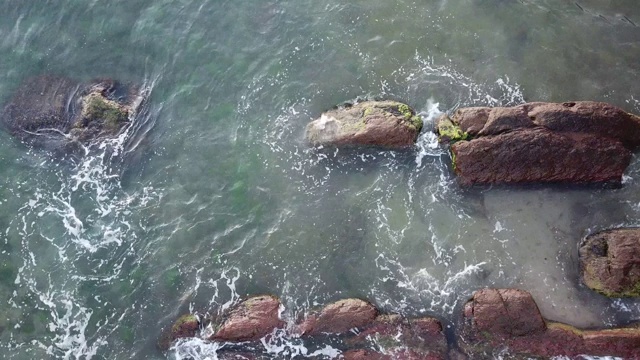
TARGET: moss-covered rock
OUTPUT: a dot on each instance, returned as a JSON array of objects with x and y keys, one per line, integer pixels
[
  {"x": 388, "y": 124},
  {"x": 448, "y": 132},
  {"x": 53, "y": 112}
]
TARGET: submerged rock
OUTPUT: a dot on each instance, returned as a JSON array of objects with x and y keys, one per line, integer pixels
[
  {"x": 610, "y": 262},
  {"x": 495, "y": 319},
  {"x": 54, "y": 111},
  {"x": 576, "y": 142},
  {"x": 185, "y": 327},
  {"x": 388, "y": 124},
  {"x": 251, "y": 320}
]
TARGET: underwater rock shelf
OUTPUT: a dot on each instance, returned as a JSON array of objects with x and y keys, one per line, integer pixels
[
  {"x": 573, "y": 142},
  {"x": 57, "y": 113},
  {"x": 492, "y": 319}
]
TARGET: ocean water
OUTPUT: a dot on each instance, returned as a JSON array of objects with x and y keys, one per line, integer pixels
[{"x": 212, "y": 194}]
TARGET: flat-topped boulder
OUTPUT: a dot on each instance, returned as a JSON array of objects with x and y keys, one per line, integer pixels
[
  {"x": 52, "y": 111},
  {"x": 387, "y": 124},
  {"x": 610, "y": 262},
  {"x": 574, "y": 142},
  {"x": 508, "y": 319}
]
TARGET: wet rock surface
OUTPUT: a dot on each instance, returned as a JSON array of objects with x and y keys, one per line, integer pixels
[
  {"x": 387, "y": 124},
  {"x": 610, "y": 262},
  {"x": 575, "y": 142},
  {"x": 339, "y": 317},
  {"x": 53, "y": 111},
  {"x": 251, "y": 320},
  {"x": 354, "y": 325},
  {"x": 495, "y": 319}
]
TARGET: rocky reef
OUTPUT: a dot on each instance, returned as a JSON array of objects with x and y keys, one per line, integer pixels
[
  {"x": 571, "y": 142},
  {"x": 53, "y": 111},
  {"x": 493, "y": 320},
  {"x": 387, "y": 124},
  {"x": 356, "y": 323}
]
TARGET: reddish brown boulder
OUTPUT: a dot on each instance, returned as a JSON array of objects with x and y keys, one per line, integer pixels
[
  {"x": 507, "y": 318},
  {"x": 339, "y": 317},
  {"x": 504, "y": 312},
  {"x": 250, "y": 320},
  {"x": 533, "y": 156},
  {"x": 610, "y": 262},
  {"x": 388, "y": 124},
  {"x": 577, "y": 142}
]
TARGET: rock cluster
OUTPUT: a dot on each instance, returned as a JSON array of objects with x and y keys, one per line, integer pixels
[
  {"x": 54, "y": 111},
  {"x": 355, "y": 321},
  {"x": 506, "y": 320},
  {"x": 572, "y": 142},
  {"x": 387, "y": 124}
]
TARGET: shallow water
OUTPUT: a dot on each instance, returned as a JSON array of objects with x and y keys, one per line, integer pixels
[{"x": 212, "y": 195}]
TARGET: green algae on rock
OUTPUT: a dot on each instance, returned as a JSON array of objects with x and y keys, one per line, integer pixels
[
  {"x": 387, "y": 124},
  {"x": 53, "y": 112}
]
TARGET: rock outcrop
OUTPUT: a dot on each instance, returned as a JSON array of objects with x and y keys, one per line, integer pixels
[
  {"x": 53, "y": 111},
  {"x": 574, "y": 142},
  {"x": 251, "y": 319},
  {"x": 339, "y": 317},
  {"x": 496, "y": 319},
  {"x": 387, "y": 124},
  {"x": 185, "y": 327},
  {"x": 354, "y": 325},
  {"x": 610, "y": 262}
]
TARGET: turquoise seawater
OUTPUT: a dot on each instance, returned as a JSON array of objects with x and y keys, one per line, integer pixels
[{"x": 213, "y": 195}]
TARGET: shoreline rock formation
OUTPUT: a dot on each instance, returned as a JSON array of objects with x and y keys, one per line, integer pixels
[
  {"x": 493, "y": 320},
  {"x": 573, "y": 142},
  {"x": 387, "y": 124},
  {"x": 610, "y": 262},
  {"x": 358, "y": 324},
  {"x": 52, "y": 111},
  {"x": 509, "y": 319}
]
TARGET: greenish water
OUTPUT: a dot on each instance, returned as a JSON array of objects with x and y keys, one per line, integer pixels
[{"x": 212, "y": 195}]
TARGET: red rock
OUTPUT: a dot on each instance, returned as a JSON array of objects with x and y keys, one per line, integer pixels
[
  {"x": 574, "y": 142},
  {"x": 610, "y": 262},
  {"x": 506, "y": 312},
  {"x": 250, "y": 320},
  {"x": 539, "y": 156},
  {"x": 423, "y": 336},
  {"x": 339, "y": 317},
  {"x": 386, "y": 124},
  {"x": 507, "y": 318}
]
